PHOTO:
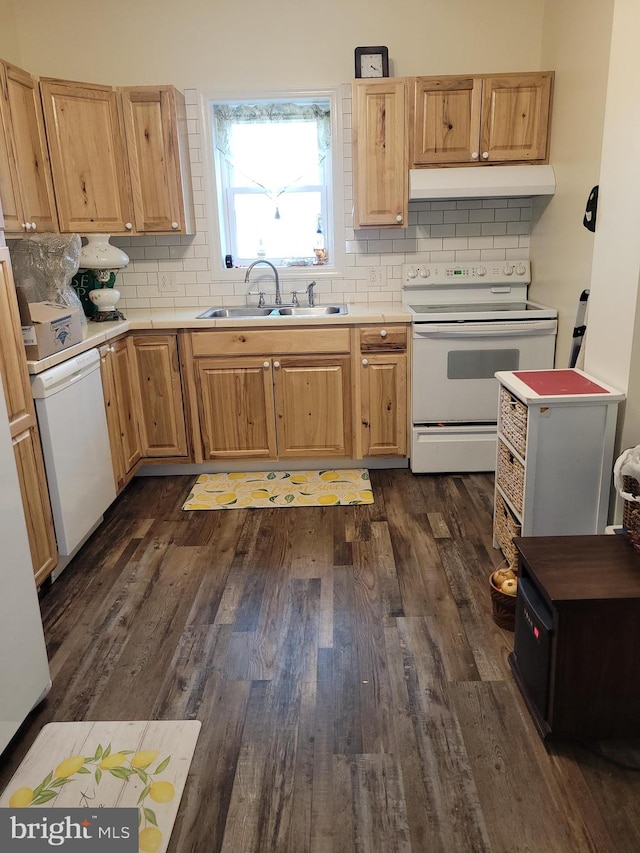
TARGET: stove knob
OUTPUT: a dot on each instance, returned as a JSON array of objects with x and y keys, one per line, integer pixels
[
  {"x": 521, "y": 269},
  {"x": 424, "y": 272},
  {"x": 481, "y": 270},
  {"x": 507, "y": 269},
  {"x": 411, "y": 272}
]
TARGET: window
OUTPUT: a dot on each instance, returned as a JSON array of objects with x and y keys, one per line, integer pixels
[{"x": 273, "y": 180}]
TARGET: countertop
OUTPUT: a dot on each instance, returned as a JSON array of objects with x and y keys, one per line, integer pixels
[{"x": 96, "y": 334}]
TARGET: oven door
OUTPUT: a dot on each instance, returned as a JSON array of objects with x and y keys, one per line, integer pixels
[{"x": 454, "y": 365}]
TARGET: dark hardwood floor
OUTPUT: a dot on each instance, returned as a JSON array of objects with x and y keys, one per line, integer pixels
[{"x": 353, "y": 689}]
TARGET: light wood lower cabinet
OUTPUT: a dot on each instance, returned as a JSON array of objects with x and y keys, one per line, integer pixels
[
  {"x": 120, "y": 408},
  {"x": 271, "y": 395},
  {"x": 23, "y": 429},
  {"x": 383, "y": 390},
  {"x": 158, "y": 388},
  {"x": 35, "y": 501}
]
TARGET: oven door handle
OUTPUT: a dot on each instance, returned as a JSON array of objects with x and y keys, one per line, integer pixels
[{"x": 485, "y": 330}]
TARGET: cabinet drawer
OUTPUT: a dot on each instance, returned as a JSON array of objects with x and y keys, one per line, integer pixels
[
  {"x": 385, "y": 338},
  {"x": 513, "y": 421},
  {"x": 505, "y": 527},
  {"x": 510, "y": 476},
  {"x": 270, "y": 341}
]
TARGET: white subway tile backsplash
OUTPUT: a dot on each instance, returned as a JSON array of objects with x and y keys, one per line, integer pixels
[{"x": 438, "y": 231}]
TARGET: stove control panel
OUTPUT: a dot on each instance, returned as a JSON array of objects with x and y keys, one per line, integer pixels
[{"x": 480, "y": 272}]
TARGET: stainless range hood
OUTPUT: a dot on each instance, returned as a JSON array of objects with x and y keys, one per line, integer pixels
[{"x": 481, "y": 182}]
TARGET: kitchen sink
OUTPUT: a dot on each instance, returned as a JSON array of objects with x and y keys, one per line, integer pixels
[
  {"x": 273, "y": 311},
  {"x": 235, "y": 312},
  {"x": 317, "y": 311}
]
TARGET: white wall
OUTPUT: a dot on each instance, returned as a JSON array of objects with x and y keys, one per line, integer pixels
[
  {"x": 614, "y": 327},
  {"x": 575, "y": 43},
  {"x": 244, "y": 43},
  {"x": 9, "y": 41}
]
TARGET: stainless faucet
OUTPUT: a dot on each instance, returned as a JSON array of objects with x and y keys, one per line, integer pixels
[
  {"x": 278, "y": 300},
  {"x": 310, "y": 295}
]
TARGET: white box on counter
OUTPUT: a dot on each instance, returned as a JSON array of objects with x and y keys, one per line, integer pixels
[{"x": 48, "y": 328}]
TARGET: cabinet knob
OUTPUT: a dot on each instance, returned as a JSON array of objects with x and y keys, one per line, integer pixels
[
  {"x": 383, "y": 333},
  {"x": 128, "y": 226},
  {"x": 26, "y": 226},
  {"x": 266, "y": 365},
  {"x": 399, "y": 218},
  {"x": 365, "y": 362},
  {"x": 485, "y": 155},
  {"x": 276, "y": 365},
  {"x": 474, "y": 155},
  {"x": 34, "y": 226},
  {"x": 174, "y": 225}
]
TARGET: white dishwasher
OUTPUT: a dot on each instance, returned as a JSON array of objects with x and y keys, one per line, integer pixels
[{"x": 75, "y": 444}]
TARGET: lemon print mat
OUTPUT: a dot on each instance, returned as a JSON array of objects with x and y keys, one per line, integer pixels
[
  {"x": 141, "y": 765},
  {"x": 257, "y": 489}
]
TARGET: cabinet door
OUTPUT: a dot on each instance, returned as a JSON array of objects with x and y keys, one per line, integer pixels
[
  {"x": 35, "y": 502},
  {"x": 14, "y": 221},
  {"x": 22, "y": 117},
  {"x": 159, "y": 389},
  {"x": 87, "y": 157},
  {"x": 125, "y": 401},
  {"x": 236, "y": 407},
  {"x": 113, "y": 420},
  {"x": 380, "y": 154},
  {"x": 13, "y": 361},
  {"x": 313, "y": 405},
  {"x": 384, "y": 405},
  {"x": 515, "y": 117},
  {"x": 445, "y": 120},
  {"x": 159, "y": 185}
]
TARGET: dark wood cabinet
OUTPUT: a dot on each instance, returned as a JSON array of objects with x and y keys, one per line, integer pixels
[{"x": 577, "y": 635}]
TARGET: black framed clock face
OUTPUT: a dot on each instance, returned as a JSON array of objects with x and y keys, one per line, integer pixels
[{"x": 372, "y": 61}]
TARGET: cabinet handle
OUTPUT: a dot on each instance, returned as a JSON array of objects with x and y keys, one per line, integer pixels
[
  {"x": 276, "y": 365},
  {"x": 266, "y": 365},
  {"x": 128, "y": 226},
  {"x": 383, "y": 333},
  {"x": 474, "y": 155},
  {"x": 485, "y": 155},
  {"x": 365, "y": 362},
  {"x": 399, "y": 218},
  {"x": 174, "y": 225}
]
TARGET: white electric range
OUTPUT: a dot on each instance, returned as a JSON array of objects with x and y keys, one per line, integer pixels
[{"x": 469, "y": 321}]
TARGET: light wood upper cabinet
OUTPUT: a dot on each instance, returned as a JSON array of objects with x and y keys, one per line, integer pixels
[
  {"x": 87, "y": 151},
  {"x": 24, "y": 429},
  {"x": 515, "y": 117},
  {"x": 444, "y": 120},
  {"x": 158, "y": 388},
  {"x": 473, "y": 120},
  {"x": 26, "y": 188},
  {"x": 380, "y": 153},
  {"x": 157, "y": 150}
]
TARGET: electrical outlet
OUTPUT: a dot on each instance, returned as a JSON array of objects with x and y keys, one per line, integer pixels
[
  {"x": 377, "y": 276},
  {"x": 167, "y": 282}
]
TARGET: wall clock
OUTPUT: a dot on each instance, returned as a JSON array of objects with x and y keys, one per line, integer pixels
[{"x": 372, "y": 61}]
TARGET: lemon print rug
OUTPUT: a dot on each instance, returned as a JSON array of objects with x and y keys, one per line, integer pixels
[
  {"x": 256, "y": 489},
  {"x": 141, "y": 765}
]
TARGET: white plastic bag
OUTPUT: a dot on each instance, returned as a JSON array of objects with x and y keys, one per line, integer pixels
[{"x": 627, "y": 465}]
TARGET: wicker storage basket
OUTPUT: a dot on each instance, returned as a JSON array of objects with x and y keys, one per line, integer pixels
[
  {"x": 505, "y": 527},
  {"x": 631, "y": 511},
  {"x": 513, "y": 421},
  {"x": 510, "y": 476},
  {"x": 504, "y": 607}
]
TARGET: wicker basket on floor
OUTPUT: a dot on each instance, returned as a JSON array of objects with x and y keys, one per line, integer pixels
[
  {"x": 631, "y": 511},
  {"x": 504, "y": 607}
]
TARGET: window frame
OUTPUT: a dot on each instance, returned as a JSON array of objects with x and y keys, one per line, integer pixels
[{"x": 217, "y": 211}]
